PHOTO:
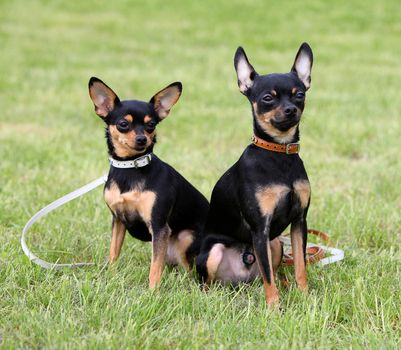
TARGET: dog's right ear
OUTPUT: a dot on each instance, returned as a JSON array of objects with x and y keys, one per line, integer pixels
[
  {"x": 103, "y": 97},
  {"x": 245, "y": 72}
]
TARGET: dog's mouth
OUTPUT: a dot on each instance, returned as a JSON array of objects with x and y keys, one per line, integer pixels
[
  {"x": 285, "y": 124},
  {"x": 135, "y": 147}
]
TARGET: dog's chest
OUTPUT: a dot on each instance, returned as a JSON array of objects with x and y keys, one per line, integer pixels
[
  {"x": 272, "y": 196},
  {"x": 131, "y": 205}
]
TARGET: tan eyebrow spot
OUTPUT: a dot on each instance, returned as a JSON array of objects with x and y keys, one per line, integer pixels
[
  {"x": 274, "y": 92},
  {"x": 147, "y": 119},
  {"x": 129, "y": 118},
  {"x": 293, "y": 91}
]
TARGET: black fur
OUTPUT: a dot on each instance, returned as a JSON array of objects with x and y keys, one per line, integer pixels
[
  {"x": 178, "y": 205},
  {"x": 235, "y": 216}
]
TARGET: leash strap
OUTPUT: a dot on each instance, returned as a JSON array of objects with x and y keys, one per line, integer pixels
[
  {"x": 315, "y": 252},
  {"x": 46, "y": 210}
]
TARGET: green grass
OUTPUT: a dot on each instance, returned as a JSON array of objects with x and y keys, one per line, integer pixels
[{"x": 51, "y": 142}]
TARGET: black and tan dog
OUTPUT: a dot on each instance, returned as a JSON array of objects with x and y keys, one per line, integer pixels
[
  {"x": 267, "y": 189},
  {"x": 146, "y": 196}
]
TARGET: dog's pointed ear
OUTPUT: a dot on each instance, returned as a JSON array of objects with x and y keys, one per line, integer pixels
[
  {"x": 102, "y": 96},
  {"x": 245, "y": 72},
  {"x": 166, "y": 98},
  {"x": 303, "y": 64}
]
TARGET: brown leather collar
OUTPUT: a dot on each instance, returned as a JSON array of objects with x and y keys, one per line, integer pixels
[{"x": 288, "y": 148}]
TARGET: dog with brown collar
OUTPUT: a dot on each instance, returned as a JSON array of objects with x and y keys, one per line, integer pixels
[{"x": 267, "y": 189}]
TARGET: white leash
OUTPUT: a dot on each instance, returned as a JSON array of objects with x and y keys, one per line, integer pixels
[
  {"x": 127, "y": 164},
  {"x": 46, "y": 210},
  {"x": 336, "y": 254}
]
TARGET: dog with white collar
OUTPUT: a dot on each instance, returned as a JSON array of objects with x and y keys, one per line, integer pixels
[{"x": 146, "y": 196}]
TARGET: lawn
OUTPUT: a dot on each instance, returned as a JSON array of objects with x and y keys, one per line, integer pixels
[{"x": 51, "y": 142}]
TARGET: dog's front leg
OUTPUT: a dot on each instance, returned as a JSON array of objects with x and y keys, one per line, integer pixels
[
  {"x": 298, "y": 243},
  {"x": 160, "y": 240},
  {"x": 117, "y": 239},
  {"x": 261, "y": 246}
]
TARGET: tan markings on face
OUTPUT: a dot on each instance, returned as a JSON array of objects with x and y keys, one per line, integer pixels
[
  {"x": 213, "y": 261},
  {"x": 123, "y": 143},
  {"x": 264, "y": 121},
  {"x": 299, "y": 261},
  {"x": 268, "y": 197},
  {"x": 303, "y": 191},
  {"x": 135, "y": 202},
  {"x": 274, "y": 92},
  {"x": 147, "y": 119},
  {"x": 129, "y": 118},
  {"x": 177, "y": 249},
  {"x": 294, "y": 90},
  {"x": 150, "y": 136}
]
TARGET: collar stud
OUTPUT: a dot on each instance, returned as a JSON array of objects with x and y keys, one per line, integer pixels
[{"x": 139, "y": 162}]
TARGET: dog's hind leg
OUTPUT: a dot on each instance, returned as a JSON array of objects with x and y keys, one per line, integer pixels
[
  {"x": 178, "y": 247},
  {"x": 277, "y": 254}
]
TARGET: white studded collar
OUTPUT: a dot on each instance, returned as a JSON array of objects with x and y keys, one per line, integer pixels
[{"x": 135, "y": 163}]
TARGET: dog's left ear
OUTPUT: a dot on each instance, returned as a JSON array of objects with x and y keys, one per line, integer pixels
[
  {"x": 303, "y": 64},
  {"x": 166, "y": 98}
]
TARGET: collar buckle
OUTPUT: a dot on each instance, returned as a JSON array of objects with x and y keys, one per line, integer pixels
[
  {"x": 291, "y": 148},
  {"x": 142, "y": 161},
  {"x": 129, "y": 164}
]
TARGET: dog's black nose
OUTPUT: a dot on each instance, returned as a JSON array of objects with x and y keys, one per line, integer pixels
[
  {"x": 140, "y": 140},
  {"x": 290, "y": 111}
]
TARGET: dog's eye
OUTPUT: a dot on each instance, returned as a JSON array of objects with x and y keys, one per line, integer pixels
[
  {"x": 299, "y": 95},
  {"x": 150, "y": 126},
  {"x": 123, "y": 125},
  {"x": 268, "y": 99}
]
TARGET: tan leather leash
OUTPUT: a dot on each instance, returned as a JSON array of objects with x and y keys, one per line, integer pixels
[
  {"x": 315, "y": 253},
  {"x": 136, "y": 163}
]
